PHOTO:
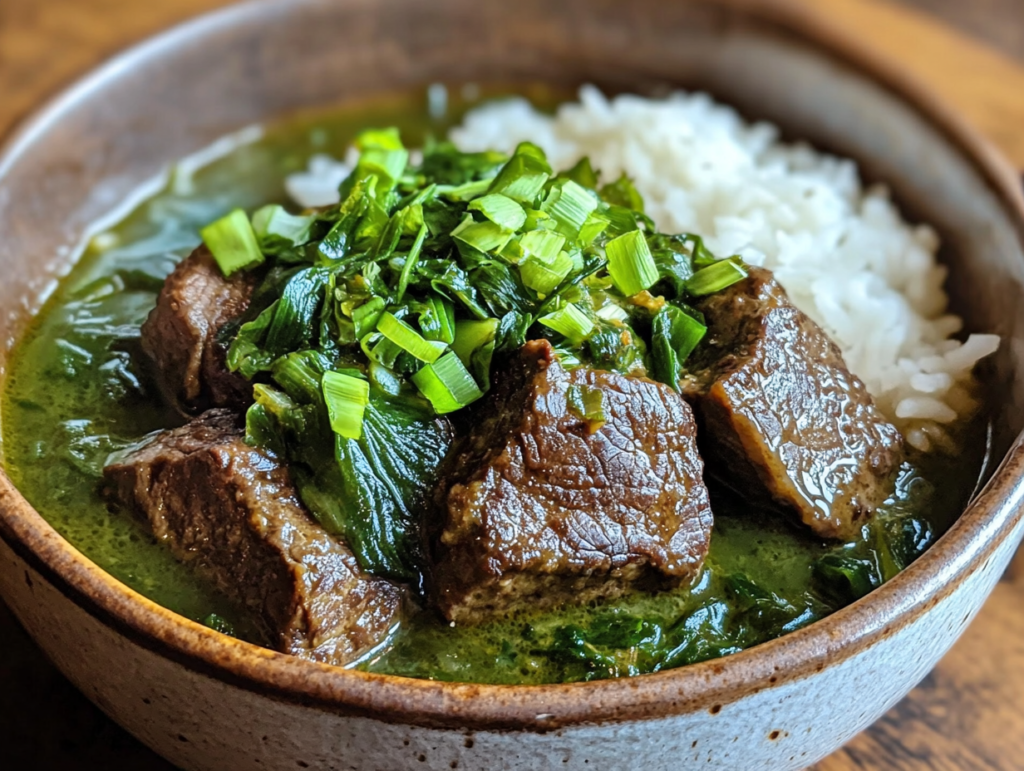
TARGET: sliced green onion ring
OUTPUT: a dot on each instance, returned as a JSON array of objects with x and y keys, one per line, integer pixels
[
  {"x": 715, "y": 278},
  {"x": 447, "y": 384},
  {"x": 570, "y": 322},
  {"x": 346, "y": 397},
  {"x": 630, "y": 263},
  {"x": 232, "y": 243},
  {"x": 408, "y": 339}
]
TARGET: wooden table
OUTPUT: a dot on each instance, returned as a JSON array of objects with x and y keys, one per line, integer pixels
[{"x": 968, "y": 715}]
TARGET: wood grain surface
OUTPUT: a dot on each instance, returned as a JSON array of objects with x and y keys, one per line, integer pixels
[{"x": 968, "y": 715}]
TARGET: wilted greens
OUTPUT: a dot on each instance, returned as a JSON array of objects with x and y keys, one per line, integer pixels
[{"x": 377, "y": 317}]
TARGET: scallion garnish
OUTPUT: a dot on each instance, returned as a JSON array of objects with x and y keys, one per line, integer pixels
[
  {"x": 483, "y": 236},
  {"x": 715, "y": 278},
  {"x": 630, "y": 263},
  {"x": 570, "y": 322},
  {"x": 501, "y": 210},
  {"x": 276, "y": 229},
  {"x": 408, "y": 339},
  {"x": 524, "y": 176},
  {"x": 569, "y": 205},
  {"x": 346, "y": 397},
  {"x": 232, "y": 243},
  {"x": 418, "y": 280},
  {"x": 367, "y": 315},
  {"x": 447, "y": 384},
  {"x": 437, "y": 321},
  {"x": 674, "y": 335}
]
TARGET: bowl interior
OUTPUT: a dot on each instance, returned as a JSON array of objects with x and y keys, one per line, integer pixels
[{"x": 104, "y": 139}]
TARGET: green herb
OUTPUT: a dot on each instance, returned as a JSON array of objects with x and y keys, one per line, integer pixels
[
  {"x": 570, "y": 322},
  {"x": 447, "y": 384},
  {"x": 630, "y": 263},
  {"x": 367, "y": 315},
  {"x": 408, "y": 339},
  {"x": 346, "y": 398},
  {"x": 570, "y": 205},
  {"x": 715, "y": 277},
  {"x": 501, "y": 210},
  {"x": 674, "y": 335},
  {"x": 232, "y": 243},
  {"x": 277, "y": 231},
  {"x": 399, "y": 299}
]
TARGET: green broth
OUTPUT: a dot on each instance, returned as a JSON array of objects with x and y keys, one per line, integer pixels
[{"x": 78, "y": 389}]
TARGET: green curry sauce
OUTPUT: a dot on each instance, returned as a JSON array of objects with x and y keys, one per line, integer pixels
[{"x": 78, "y": 389}]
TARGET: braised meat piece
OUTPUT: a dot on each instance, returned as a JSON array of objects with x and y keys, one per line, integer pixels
[
  {"x": 781, "y": 418},
  {"x": 231, "y": 511},
  {"x": 181, "y": 334},
  {"x": 546, "y": 507}
]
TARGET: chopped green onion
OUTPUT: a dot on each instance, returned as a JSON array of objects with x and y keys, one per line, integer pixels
[
  {"x": 383, "y": 150},
  {"x": 543, "y": 244},
  {"x": 570, "y": 322},
  {"x": 587, "y": 403},
  {"x": 232, "y": 243},
  {"x": 524, "y": 176},
  {"x": 447, "y": 384},
  {"x": 570, "y": 205},
  {"x": 595, "y": 224},
  {"x": 438, "y": 320},
  {"x": 537, "y": 220},
  {"x": 715, "y": 278},
  {"x": 483, "y": 236},
  {"x": 471, "y": 335},
  {"x": 275, "y": 227},
  {"x": 530, "y": 150},
  {"x": 367, "y": 315},
  {"x": 501, "y": 210},
  {"x": 542, "y": 276},
  {"x": 379, "y": 139},
  {"x": 408, "y": 339},
  {"x": 630, "y": 263},
  {"x": 380, "y": 350},
  {"x": 466, "y": 191},
  {"x": 674, "y": 335},
  {"x": 346, "y": 399},
  {"x": 410, "y": 262}
]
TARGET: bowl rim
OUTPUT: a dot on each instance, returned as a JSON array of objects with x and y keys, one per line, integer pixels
[{"x": 709, "y": 685}]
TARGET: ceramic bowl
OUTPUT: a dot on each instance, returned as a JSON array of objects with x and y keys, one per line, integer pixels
[{"x": 209, "y": 702}]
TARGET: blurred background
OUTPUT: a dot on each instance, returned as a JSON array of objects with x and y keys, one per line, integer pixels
[{"x": 968, "y": 715}]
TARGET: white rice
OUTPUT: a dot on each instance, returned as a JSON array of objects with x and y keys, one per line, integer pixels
[{"x": 844, "y": 254}]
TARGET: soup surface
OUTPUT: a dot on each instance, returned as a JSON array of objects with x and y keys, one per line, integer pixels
[{"x": 79, "y": 389}]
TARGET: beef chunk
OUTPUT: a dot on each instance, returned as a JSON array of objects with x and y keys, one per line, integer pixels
[
  {"x": 780, "y": 416},
  {"x": 181, "y": 334},
  {"x": 230, "y": 511},
  {"x": 544, "y": 508}
]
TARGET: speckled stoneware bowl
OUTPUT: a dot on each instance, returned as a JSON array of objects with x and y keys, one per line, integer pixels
[{"x": 211, "y": 702}]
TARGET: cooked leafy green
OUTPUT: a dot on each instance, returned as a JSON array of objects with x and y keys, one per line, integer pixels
[{"x": 375, "y": 317}]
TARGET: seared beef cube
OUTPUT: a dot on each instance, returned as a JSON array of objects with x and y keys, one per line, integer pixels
[
  {"x": 181, "y": 334},
  {"x": 780, "y": 415},
  {"x": 231, "y": 511},
  {"x": 545, "y": 507}
]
